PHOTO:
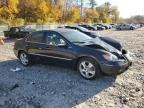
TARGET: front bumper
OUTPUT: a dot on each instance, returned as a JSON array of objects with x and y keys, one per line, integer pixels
[{"x": 117, "y": 67}]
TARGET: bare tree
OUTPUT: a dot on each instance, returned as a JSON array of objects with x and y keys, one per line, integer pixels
[
  {"x": 3, "y": 3},
  {"x": 92, "y": 3}
]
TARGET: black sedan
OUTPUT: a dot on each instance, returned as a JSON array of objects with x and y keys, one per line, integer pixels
[{"x": 91, "y": 56}]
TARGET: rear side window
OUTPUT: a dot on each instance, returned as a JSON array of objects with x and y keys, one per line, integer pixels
[{"x": 37, "y": 37}]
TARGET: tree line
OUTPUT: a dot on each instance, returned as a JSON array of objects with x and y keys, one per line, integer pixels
[
  {"x": 133, "y": 19},
  {"x": 16, "y": 12}
]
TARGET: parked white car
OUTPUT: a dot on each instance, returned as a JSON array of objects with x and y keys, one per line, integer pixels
[{"x": 126, "y": 27}]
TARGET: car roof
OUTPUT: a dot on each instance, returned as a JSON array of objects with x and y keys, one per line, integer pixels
[
  {"x": 63, "y": 30},
  {"x": 59, "y": 30}
]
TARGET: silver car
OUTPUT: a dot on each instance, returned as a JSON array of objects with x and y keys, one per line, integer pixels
[{"x": 125, "y": 27}]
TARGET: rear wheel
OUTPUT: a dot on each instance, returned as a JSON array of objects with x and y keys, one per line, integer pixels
[
  {"x": 88, "y": 68},
  {"x": 25, "y": 59}
]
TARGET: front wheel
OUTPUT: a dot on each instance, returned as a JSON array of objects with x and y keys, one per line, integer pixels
[
  {"x": 24, "y": 59},
  {"x": 88, "y": 68},
  {"x": 131, "y": 28}
]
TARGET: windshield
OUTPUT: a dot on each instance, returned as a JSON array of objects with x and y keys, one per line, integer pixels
[{"x": 76, "y": 36}]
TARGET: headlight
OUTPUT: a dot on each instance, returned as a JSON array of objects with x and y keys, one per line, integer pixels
[{"x": 110, "y": 57}]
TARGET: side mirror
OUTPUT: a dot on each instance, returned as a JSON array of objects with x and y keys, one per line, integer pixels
[{"x": 62, "y": 44}]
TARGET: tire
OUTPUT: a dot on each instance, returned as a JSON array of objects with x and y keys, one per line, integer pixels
[
  {"x": 131, "y": 28},
  {"x": 25, "y": 59},
  {"x": 88, "y": 68}
]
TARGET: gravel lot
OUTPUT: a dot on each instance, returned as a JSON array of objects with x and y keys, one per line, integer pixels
[{"x": 53, "y": 86}]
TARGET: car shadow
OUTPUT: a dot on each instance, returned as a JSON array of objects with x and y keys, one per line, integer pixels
[{"x": 47, "y": 85}]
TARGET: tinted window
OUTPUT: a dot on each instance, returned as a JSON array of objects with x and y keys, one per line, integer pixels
[
  {"x": 37, "y": 37},
  {"x": 54, "y": 39}
]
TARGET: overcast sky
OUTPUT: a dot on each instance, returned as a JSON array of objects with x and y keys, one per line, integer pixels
[{"x": 127, "y": 8}]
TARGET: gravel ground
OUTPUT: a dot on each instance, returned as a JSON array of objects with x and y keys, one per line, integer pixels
[{"x": 53, "y": 86}]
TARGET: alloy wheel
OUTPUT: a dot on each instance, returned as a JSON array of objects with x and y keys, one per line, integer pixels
[
  {"x": 87, "y": 69},
  {"x": 24, "y": 59}
]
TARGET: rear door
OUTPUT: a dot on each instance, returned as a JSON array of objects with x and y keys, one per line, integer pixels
[{"x": 35, "y": 43}]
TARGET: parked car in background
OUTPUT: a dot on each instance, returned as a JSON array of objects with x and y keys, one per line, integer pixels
[
  {"x": 109, "y": 26},
  {"x": 99, "y": 27},
  {"x": 89, "y": 27},
  {"x": 91, "y": 33},
  {"x": 125, "y": 27},
  {"x": 103, "y": 25},
  {"x": 91, "y": 56},
  {"x": 113, "y": 25},
  {"x": 17, "y": 32},
  {"x": 136, "y": 25}
]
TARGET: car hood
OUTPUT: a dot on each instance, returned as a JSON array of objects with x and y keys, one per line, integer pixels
[
  {"x": 112, "y": 42},
  {"x": 97, "y": 43}
]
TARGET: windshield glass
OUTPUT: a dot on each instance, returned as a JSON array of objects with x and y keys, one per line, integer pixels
[{"x": 76, "y": 36}]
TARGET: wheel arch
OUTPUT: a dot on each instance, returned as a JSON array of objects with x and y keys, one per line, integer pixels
[
  {"x": 20, "y": 52},
  {"x": 85, "y": 56}
]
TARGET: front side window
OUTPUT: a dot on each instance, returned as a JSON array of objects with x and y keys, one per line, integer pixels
[
  {"x": 55, "y": 39},
  {"x": 37, "y": 37}
]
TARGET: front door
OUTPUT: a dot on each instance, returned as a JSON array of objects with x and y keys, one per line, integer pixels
[{"x": 58, "y": 47}]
